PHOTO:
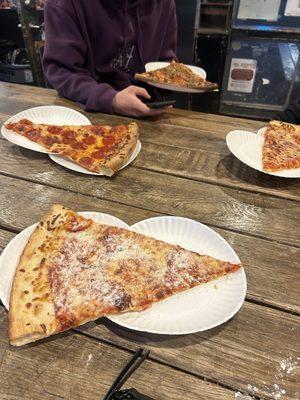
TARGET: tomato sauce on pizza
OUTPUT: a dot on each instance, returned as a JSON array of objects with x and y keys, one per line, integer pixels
[{"x": 100, "y": 149}]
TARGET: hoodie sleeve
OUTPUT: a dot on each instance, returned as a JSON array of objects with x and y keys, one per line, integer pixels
[
  {"x": 290, "y": 114},
  {"x": 64, "y": 62},
  {"x": 168, "y": 51}
]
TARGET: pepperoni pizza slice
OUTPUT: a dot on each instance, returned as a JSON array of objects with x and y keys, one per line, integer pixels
[
  {"x": 74, "y": 270},
  {"x": 281, "y": 147},
  {"x": 100, "y": 149},
  {"x": 177, "y": 74}
]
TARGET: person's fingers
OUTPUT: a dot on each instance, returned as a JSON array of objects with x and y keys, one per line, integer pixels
[
  {"x": 138, "y": 91},
  {"x": 141, "y": 110},
  {"x": 153, "y": 112}
]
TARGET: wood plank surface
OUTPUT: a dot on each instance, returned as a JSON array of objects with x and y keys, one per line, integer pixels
[
  {"x": 198, "y": 153},
  {"x": 209, "y": 137},
  {"x": 72, "y": 366},
  {"x": 5, "y": 238},
  {"x": 179, "y": 128},
  {"x": 184, "y": 169},
  {"x": 220, "y": 169},
  {"x": 177, "y": 117},
  {"x": 251, "y": 350},
  {"x": 272, "y": 269},
  {"x": 252, "y": 213},
  {"x": 204, "y": 159}
]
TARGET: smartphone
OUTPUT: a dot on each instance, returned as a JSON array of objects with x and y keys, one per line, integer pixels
[{"x": 161, "y": 104}]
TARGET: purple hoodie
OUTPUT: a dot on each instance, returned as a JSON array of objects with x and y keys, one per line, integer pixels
[{"x": 94, "y": 47}]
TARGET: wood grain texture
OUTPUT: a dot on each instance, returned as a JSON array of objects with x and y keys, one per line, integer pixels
[
  {"x": 184, "y": 169},
  {"x": 272, "y": 269},
  {"x": 256, "y": 339},
  {"x": 37, "y": 199},
  {"x": 195, "y": 154},
  {"x": 220, "y": 169},
  {"x": 209, "y": 138},
  {"x": 14, "y": 92},
  {"x": 252, "y": 213},
  {"x": 195, "y": 149},
  {"x": 247, "y": 350},
  {"x": 207, "y": 135},
  {"x": 5, "y": 238},
  {"x": 72, "y": 366}
]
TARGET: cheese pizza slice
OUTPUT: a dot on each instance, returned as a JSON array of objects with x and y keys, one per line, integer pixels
[
  {"x": 281, "y": 147},
  {"x": 75, "y": 270},
  {"x": 98, "y": 148}
]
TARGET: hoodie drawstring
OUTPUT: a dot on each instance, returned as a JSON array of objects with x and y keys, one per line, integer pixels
[
  {"x": 139, "y": 35},
  {"x": 138, "y": 29}
]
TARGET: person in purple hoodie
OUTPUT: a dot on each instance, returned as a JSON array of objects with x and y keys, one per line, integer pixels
[{"x": 93, "y": 48}]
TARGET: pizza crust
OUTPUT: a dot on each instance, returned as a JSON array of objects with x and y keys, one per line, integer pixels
[
  {"x": 74, "y": 270},
  {"x": 53, "y": 141},
  {"x": 115, "y": 163},
  {"x": 31, "y": 312}
]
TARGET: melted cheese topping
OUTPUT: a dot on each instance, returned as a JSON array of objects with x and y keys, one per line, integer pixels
[
  {"x": 91, "y": 146},
  {"x": 114, "y": 270},
  {"x": 180, "y": 75},
  {"x": 281, "y": 149}
]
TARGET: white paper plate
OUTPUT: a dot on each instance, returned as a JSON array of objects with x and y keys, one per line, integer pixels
[
  {"x": 247, "y": 147},
  {"x": 152, "y": 66},
  {"x": 261, "y": 131},
  {"x": 52, "y": 115},
  {"x": 10, "y": 256},
  {"x": 64, "y": 162},
  {"x": 197, "y": 309}
]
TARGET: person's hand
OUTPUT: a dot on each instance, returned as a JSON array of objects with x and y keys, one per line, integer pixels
[{"x": 127, "y": 102}]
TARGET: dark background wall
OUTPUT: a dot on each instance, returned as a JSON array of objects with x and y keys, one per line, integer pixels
[{"x": 186, "y": 11}]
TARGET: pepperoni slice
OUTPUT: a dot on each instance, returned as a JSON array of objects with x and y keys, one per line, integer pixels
[
  {"x": 69, "y": 134},
  {"x": 25, "y": 122},
  {"x": 101, "y": 153},
  {"x": 77, "y": 223},
  {"x": 55, "y": 130},
  {"x": 86, "y": 161},
  {"x": 33, "y": 135},
  {"x": 98, "y": 130},
  {"x": 90, "y": 140},
  {"x": 108, "y": 140},
  {"x": 12, "y": 126},
  {"x": 66, "y": 140},
  {"x": 49, "y": 141},
  {"x": 79, "y": 145}
]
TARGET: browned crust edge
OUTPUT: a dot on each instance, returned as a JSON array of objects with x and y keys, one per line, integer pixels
[
  {"x": 116, "y": 162},
  {"x": 37, "y": 321}
]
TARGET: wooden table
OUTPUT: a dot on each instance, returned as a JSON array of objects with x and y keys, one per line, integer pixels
[{"x": 184, "y": 169}]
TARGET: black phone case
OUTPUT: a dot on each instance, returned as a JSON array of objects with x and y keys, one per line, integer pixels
[{"x": 161, "y": 104}]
